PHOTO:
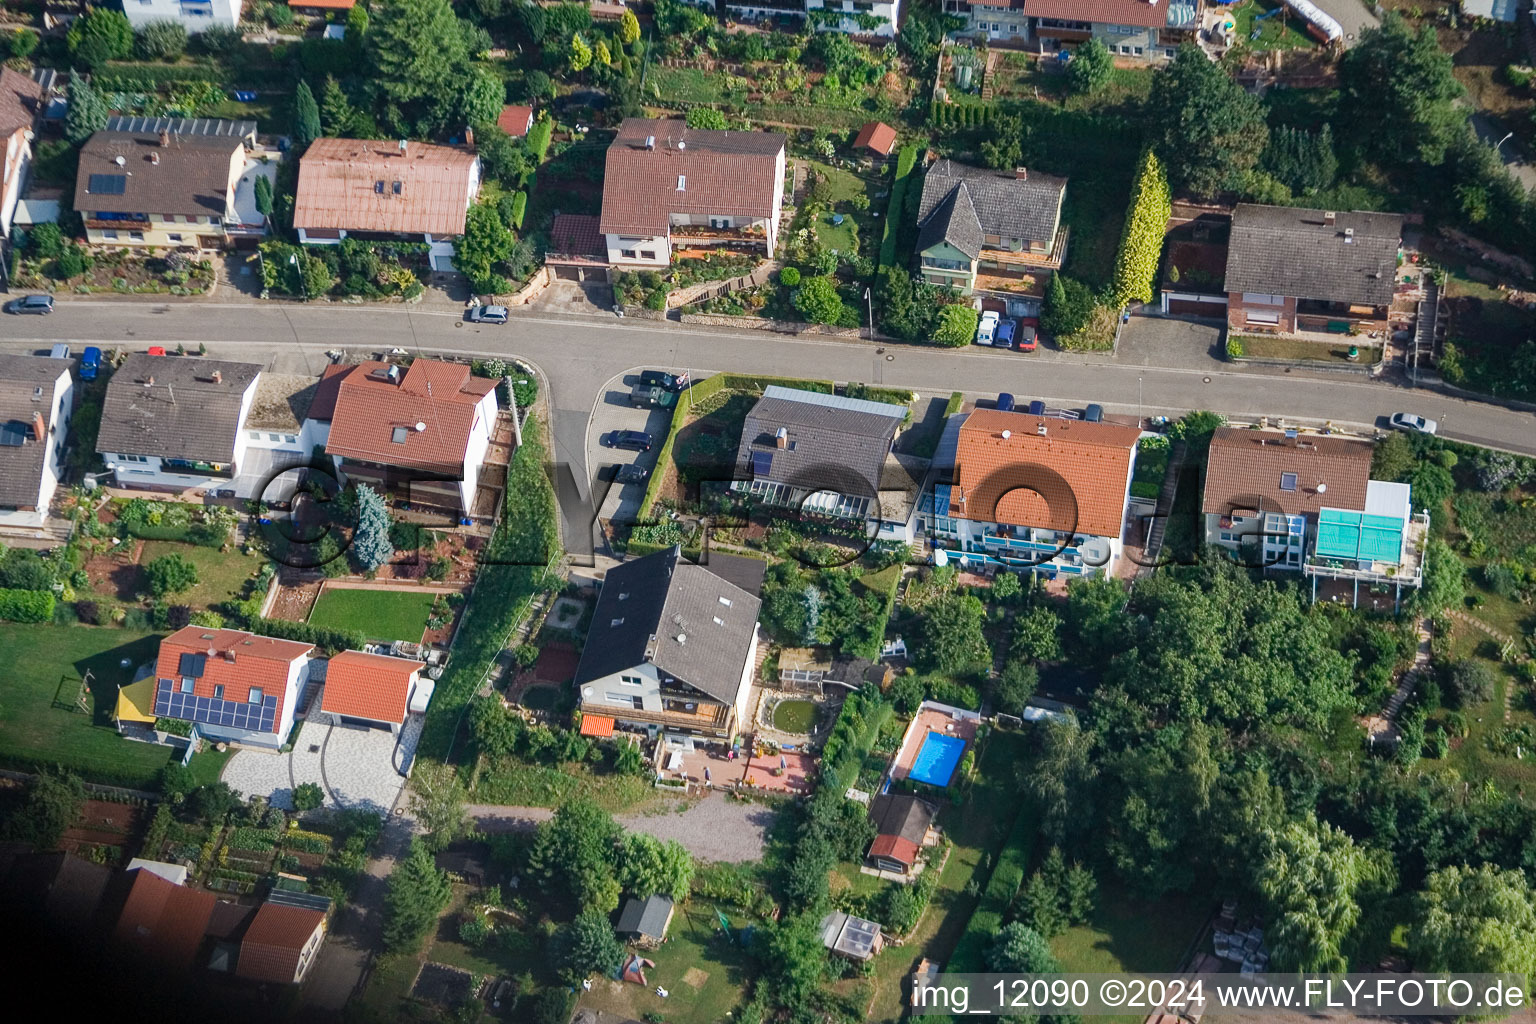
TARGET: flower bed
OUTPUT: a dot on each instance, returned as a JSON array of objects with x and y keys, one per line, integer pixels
[{"x": 247, "y": 838}]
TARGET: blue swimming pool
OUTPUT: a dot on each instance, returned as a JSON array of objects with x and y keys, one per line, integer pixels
[{"x": 936, "y": 759}]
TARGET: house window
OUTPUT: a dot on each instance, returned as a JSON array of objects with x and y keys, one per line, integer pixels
[
  {"x": 647, "y": 254},
  {"x": 110, "y": 236},
  {"x": 134, "y": 458},
  {"x": 255, "y": 435},
  {"x": 627, "y": 254},
  {"x": 1255, "y": 317},
  {"x": 1262, "y": 299},
  {"x": 1226, "y": 536},
  {"x": 1138, "y": 51},
  {"x": 1169, "y": 53},
  {"x": 218, "y": 692},
  {"x": 186, "y": 684},
  {"x": 174, "y": 238},
  {"x": 632, "y": 680},
  {"x": 256, "y": 696},
  {"x": 291, "y": 438},
  {"x": 136, "y": 236},
  {"x": 682, "y": 182}
]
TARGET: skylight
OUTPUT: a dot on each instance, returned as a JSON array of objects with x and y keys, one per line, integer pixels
[
  {"x": 399, "y": 434},
  {"x": 1287, "y": 481}
]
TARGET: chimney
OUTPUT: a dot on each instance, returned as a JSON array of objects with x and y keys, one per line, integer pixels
[
  {"x": 1041, "y": 429},
  {"x": 218, "y": 377},
  {"x": 781, "y": 439},
  {"x": 229, "y": 655},
  {"x": 402, "y": 147},
  {"x": 150, "y": 382},
  {"x": 39, "y": 431},
  {"x": 1021, "y": 174},
  {"x": 154, "y": 158},
  {"x": 469, "y": 137},
  {"x": 165, "y": 139},
  {"x": 650, "y": 142},
  {"x": 1330, "y": 217}
]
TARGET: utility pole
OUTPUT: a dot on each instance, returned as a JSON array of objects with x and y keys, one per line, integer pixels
[
  {"x": 869, "y": 307},
  {"x": 517, "y": 424}
]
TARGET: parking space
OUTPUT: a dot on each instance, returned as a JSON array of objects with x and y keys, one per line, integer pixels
[
  {"x": 1181, "y": 344},
  {"x": 354, "y": 767},
  {"x": 613, "y": 412}
]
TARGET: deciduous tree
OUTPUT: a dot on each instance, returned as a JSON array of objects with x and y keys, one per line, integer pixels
[
  {"x": 482, "y": 249},
  {"x": 1206, "y": 129},
  {"x": 52, "y": 804},
  {"x": 1480, "y": 919},
  {"x": 1309, "y": 874},
  {"x": 576, "y": 850},
  {"x": 956, "y": 326},
  {"x": 950, "y": 639},
  {"x": 818, "y": 301},
  {"x": 437, "y": 801},
  {"x": 1068, "y": 305},
  {"x": 705, "y": 117},
  {"x": 586, "y": 946},
  {"x": 1398, "y": 94},
  {"x": 648, "y": 866},
  {"x": 629, "y": 27},
  {"x": 160, "y": 40}
]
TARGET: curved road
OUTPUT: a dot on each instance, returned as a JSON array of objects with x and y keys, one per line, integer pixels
[{"x": 578, "y": 354}]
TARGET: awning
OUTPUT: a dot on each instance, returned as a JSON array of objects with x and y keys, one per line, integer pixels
[
  {"x": 596, "y": 725},
  {"x": 136, "y": 702}
]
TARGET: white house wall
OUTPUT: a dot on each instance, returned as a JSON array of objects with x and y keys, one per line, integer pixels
[
  {"x": 195, "y": 15},
  {"x": 58, "y": 436}
]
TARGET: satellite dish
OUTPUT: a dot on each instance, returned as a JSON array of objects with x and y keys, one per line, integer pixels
[
  {"x": 1322, "y": 488},
  {"x": 420, "y": 426},
  {"x": 682, "y": 145},
  {"x": 1007, "y": 434},
  {"x": 120, "y": 161}
]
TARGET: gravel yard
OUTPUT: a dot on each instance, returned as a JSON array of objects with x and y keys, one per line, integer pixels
[{"x": 714, "y": 828}]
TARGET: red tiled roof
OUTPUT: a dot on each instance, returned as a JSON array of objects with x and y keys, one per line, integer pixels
[
  {"x": 1101, "y": 12},
  {"x": 576, "y": 234},
  {"x": 372, "y": 686},
  {"x": 903, "y": 851},
  {"x": 1246, "y": 465},
  {"x": 272, "y": 944},
  {"x": 727, "y": 173},
  {"x": 349, "y": 184},
  {"x": 597, "y": 725},
  {"x": 1073, "y": 477},
  {"x": 515, "y": 120},
  {"x": 369, "y": 406},
  {"x": 323, "y": 407},
  {"x": 236, "y": 660},
  {"x": 328, "y": 5},
  {"x": 878, "y": 136},
  {"x": 162, "y": 921}
]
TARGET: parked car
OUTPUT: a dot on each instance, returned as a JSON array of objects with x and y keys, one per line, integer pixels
[
  {"x": 157, "y": 350},
  {"x": 986, "y": 330},
  {"x": 1006, "y": 329},
  {"x": 1094, "y": 413},
  {"x": 487, "y": 315},
  {"x": 1414, "y": 423},
  {"x": 633, "y": 440},
  {"x": 642, "y": 397},
  {"x": 42, "y": 305},
  {"x": 662, "y": 379},
  {"x": 90, "y": 362},
  {"x": 631, "y": 474},
  {"x": 1037, "y": 408},
  {"x": 1005, "y": 402},
  {"x": 1028, "y": 338},
  {"x": 59, "y": 351}
]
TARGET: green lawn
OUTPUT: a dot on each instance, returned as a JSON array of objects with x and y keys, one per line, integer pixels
[
  {"x": 1283, "y": 31},
  {"x": 845, "y": 185},
  {"x": 684, "y": 85},
  {"x": 47, "y": 663},
  {"x": 377, "y": 614},
  {"x": 1471, "y": 757},
  {"x": 1309, "y": 351},
  {"x": 221, "y": 576},
  {"x": 516, "y": 782},
  {"x": 794, "y": 715}
]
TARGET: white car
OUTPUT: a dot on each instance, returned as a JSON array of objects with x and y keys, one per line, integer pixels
[
  {"x": 986, "y": 331},
  {"x": 1414, "y": 423}
]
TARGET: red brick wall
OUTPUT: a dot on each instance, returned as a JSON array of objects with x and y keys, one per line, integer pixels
[{"x": 1237, "y": 314}]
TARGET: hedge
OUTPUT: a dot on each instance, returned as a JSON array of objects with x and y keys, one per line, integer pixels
[
  {"x": 905, "y": 161},
  {"x": 1146, "y": 222},
  {"x": 519, "y": 208},
  {"x": 205, "y": 535},
  {"x": 853, "y": 734},
  {"x": 26, "y": 605},
  {"x": 971, "y": 951},
  {"x": 321, "y": 636}
]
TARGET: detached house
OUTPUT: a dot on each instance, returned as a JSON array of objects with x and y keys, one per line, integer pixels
[
  {"x": 236, "y": 686},
  {"x": 193, "y": 15},
  {"x": 1291, "y": 269},
  {"x": 421, "y": 430},
  {"x": 672, "y": 646},
  {"x": 666, "y": 184},
  {"x": 168, "y": 186},
  {"x": 1149, "y": 30},
  {"x": 20, "y": 104},
  {"x": 984, "y": 230},
  {"x": 174, "y": 423},
  {"x": 1042, "y": 495},
  {"x": 386, "y": 191},
  {"x": 859, "y": 17},
  {"x": 36, "y": 395}
]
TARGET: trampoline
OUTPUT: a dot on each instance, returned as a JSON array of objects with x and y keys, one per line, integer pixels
[{"x": 936, "y": 759}]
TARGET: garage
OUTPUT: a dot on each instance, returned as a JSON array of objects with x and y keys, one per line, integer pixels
[
  {"x": 567, "y": 273},
  {"x": 1194, "y": 304}
]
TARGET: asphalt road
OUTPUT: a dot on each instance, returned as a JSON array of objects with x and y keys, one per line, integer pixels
[{"x": 579, "y": 357}]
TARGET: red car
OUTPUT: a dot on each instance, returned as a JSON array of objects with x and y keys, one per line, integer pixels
[
  {"x": 157, "y": 350},
  {"x": 1029, "y": 328}
]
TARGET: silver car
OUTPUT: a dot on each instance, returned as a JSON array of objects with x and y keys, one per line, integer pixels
[
  {"x": 1414, "y": 423},
  {"x": 488, "y": 315}
]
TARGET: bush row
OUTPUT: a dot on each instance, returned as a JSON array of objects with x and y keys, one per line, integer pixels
[
  {"x": 857, "y": 726},
  {"x": 905, "y": 161},
  {"x": 971, "y": 950},
  {"x": 26, "y": 605}
]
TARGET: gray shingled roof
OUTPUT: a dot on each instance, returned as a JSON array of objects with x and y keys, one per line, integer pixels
[
  {"x": 1000, "y": 204},
  {"x": 647, "y": 917},
  {"x": 901, "y": 814},
  {"x": 664, "y": 609},
  {"x": 182, "y": 415},
  {"x": 1284, "y": 250},
  {"x": 21, "y": 466},
  {"x": 837, "y": 447}
]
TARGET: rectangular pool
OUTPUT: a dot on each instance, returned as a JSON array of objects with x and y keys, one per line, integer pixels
[{"x": 936, "y": 759}]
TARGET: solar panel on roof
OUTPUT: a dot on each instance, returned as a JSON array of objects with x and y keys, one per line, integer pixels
[
  {"x": 191, "y": 665},
  {"x": 107, "y": 184},
  {"x": 13, "y": 434},
  {"x": 762, "y": 463}
]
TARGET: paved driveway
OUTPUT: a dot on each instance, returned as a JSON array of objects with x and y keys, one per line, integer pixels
[
  {"x": 1154, "y": 341},
  {"x": 611, "y": 412},
  {"x": 353, "y": 767}
]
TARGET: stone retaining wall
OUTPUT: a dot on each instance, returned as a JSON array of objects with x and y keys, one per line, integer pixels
[{"x": 757, "y": 323}]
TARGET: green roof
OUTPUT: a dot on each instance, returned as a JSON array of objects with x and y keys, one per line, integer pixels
[{"x": 1359, "y": 537}]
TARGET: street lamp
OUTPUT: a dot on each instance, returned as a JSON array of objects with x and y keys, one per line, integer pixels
[
  {"x": 1501, "y": 142},
  {"x": 869, "y": 307},
  {"x": 293, "y": 261},
  {"x": 1138, "y": 403}
]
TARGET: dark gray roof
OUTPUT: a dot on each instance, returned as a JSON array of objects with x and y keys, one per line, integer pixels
[
  {"x": 899, "y": 814},
  {"x": 831, "y": 443},
  {"x": 183, "y": 126},
  {"x": 183, "y": 414},
  {"x": 681, "y": 617},
  {"x": 962, "y": 204},
  {"x": 27, "y": 385},
  {"x": 1285, "y": 250},
  {"x": 647, "y": 917},
  {"x": 191, "y": 174},
  {"x": 739, "y": 570}
]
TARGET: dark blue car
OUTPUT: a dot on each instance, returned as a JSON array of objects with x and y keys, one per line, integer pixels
[{"x": 90, "y": 362}]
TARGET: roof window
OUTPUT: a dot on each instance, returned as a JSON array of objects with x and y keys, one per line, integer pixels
[
  {"x": 399, "y": 434},
  {"x": 394, "y": 187},
  {"x": 682, "y": 182},
  {"x": 378, "y": 186},
  {"x": 1287, "y": 481},
  {"x": 725, "y": 601}
]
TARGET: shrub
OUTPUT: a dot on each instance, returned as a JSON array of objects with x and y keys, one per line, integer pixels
[
  {"x": 1471, "y": 682},
  {"x": 88, "y": 612},
  {"x": 789, "y": 277},
  {"x": 1235, "y": 348},
  {"x": 1141, "y": 245},
  {"x": 160, "y": 40},
  {"x": 957, "y": 326},
  {"x": 171, "y": 574},
  {"x": 26, "y": 605},
  {"x": 307, "y": 796}
]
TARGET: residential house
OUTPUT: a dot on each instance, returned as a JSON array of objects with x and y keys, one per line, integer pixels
[
  {"x": 1265, "y": 491},
  {"x": 668, "y": 184},
  {"x": 178, "y": 423},
  {"x": 421, "y": 431},
  {"x": 644, "y": 922},
  {"x": 280, "y": 435},
  {"x": 1291, "y": 269},
  {"x": 20, "y": 104},
  {"x": 54, "y": 892},
  {"x": 817, "y": 453},
  {"x": 1147, "y": 30},
  {"x": 672, "y": 646},
  {"x": 877, "y": 18},
  {"x": 516, "y": 119},
  {"x": 373, "y": 690},
  {"x": 853, "y": 937},
  {"x": 1043, "y": 495},
  {"x": 320, "y": 8},
  {"x": 386, "y": 191},
  {"x": 902, "y": 823},
  {"x": 283, "y": 939},
  {"x": 234, "y": 686},
  {"x": 193, "y": 15},
  {"x": 1381, "y": 545},
  {"x": 876, "y": 139},
  {"x": 786, "y": 13},
  {"x": 176, "y": 874},
  {"x": 36, "y": 397},
  {"x": 577, "y": 249},
  {"x": 167, "y": 187},
  {"x": 985, "y": 230},
  {"x": 163, "y": 924},
  {"x": 1507, "y": 11}
]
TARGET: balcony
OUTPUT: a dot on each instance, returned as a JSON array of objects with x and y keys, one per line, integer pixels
[
  {"x": 706, "y": 233},
  {"x": 705, "y": 716},
  {"x": 123, "y": 224},
  {"x": 1050, "y": 260}
]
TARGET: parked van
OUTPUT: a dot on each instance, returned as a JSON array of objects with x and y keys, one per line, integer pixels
[
  {"x": 90, "y": 362},
  {"x": 1005, "y": 402},
  {"x": 60, "y": 351}
]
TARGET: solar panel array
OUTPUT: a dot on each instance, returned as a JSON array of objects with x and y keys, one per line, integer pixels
[
  {"x": 170, "y": 702},
  {"x": 107, "y": 184},
  {"x": 14, "y": 434}
]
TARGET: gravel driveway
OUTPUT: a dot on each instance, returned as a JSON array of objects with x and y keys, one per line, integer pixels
[{"x": 714, "y": 828}]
